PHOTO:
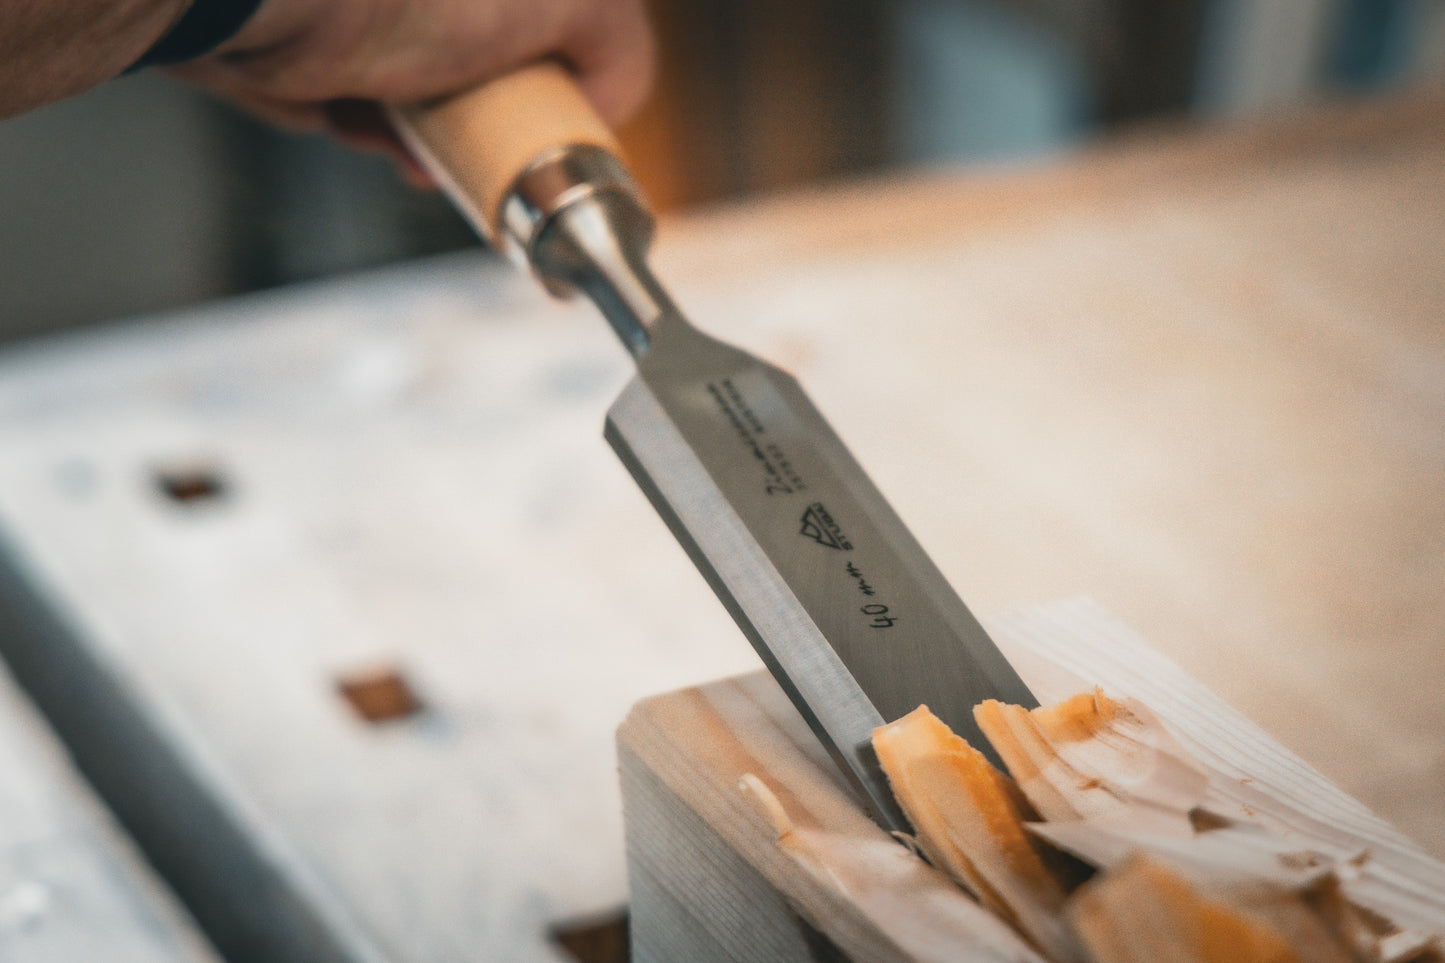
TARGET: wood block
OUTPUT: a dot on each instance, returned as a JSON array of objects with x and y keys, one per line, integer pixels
[{"x": 712, "y": 775}]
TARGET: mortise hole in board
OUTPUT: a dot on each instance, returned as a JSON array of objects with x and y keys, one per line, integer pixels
[
  {"x": 596, "y": 939},
  {"x": 191, "y": 484},
  {"x": 379, "y": 695}
]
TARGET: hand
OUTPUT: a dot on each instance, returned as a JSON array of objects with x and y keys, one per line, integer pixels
[{"x": 325, "y": 64}]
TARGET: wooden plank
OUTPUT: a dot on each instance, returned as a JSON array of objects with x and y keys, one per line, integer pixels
[
  {"x": 72, "y": 887},
  {"x": 705, "y": 851},
  {"x": 1194, "y": 379},
  {"x": 405, "y": 471}
]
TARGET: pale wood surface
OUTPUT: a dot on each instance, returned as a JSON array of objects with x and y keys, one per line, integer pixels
[
  {"x": 1201, "y": 379},
  {"x": 415, "y": 476},
  {"x": 72, "y": 887},
  {"x": 1066, "y": 648},
  {"x": 703, "y": 850},
  {"x": 1196, "y": 379}
]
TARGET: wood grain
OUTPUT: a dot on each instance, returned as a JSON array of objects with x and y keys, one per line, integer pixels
[
  {"x": 1065, "y": 648},
  {"x": 711, "y": 878},
  {"x": 813, "y": 854}
]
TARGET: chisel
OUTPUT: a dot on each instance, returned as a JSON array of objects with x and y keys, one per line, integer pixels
[{"x": 850, "y": 615}]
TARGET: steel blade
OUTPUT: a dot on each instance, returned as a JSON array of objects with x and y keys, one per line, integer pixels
[{"x": 844, "y": 606}]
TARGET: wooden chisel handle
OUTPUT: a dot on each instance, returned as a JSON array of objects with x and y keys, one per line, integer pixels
[
  {"x": 534, "y": 168},
  {"x": 476, "y": 143}
]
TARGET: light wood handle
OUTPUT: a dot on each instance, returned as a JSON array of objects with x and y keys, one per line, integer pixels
[{"x": 476, "y": 143}]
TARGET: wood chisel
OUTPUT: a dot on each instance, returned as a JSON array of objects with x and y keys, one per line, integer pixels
[{"x": 847, "y": 611}]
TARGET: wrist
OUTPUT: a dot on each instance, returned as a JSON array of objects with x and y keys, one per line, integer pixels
[{"x": 202, "y": 27}]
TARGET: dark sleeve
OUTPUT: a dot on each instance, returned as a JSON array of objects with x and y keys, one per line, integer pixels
[{"x": 204, "y": 26}]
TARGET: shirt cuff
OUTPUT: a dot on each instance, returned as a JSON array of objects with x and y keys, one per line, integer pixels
[{"x": 204, "y": 26}]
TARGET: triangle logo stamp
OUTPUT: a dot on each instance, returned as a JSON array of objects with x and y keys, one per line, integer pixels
[{"x": 820, "y": 527}]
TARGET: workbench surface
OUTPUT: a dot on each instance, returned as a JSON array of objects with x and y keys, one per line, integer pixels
[{"x": 1200, "y": 378}]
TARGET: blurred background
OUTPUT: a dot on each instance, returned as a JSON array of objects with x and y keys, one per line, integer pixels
[{"x": 143, "y": 195}]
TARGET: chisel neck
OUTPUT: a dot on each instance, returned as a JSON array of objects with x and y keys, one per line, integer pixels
[{"x": 577, "y": 218}]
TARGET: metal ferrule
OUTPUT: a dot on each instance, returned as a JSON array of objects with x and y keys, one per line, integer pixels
[{"x": 577, "y": 219}]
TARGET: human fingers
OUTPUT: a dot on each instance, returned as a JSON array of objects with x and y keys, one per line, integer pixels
[
  {"x": 612, "y": 51},
  {"x": 363, "y": 125},
  {"x": 406, "y": 50},
  {"x": 311, "y": 63}
]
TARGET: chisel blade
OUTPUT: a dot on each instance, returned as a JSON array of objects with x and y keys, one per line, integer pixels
[
  {"x": 848, "y": 612},
  {"x": 854, "y": 620}
]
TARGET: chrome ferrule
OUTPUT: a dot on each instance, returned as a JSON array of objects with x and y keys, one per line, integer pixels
[{"x": 577, "y": 219}]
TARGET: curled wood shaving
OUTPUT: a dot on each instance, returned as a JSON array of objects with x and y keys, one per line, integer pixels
[
  {"x": 766, "y": 802},
  {"x": 1091, "y": 757},
  {"x": 969, "y": 819},
  {"x": 1183, "y": 883}
]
